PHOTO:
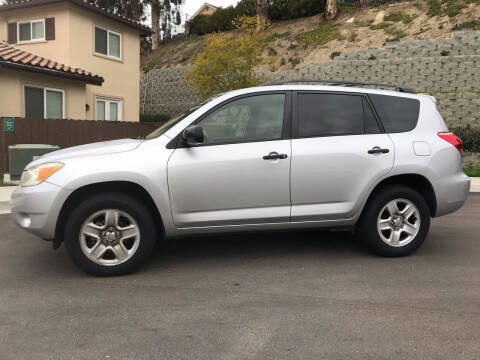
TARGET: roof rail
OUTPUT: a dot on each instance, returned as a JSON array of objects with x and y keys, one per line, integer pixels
[{"x": 404, "y": 89}]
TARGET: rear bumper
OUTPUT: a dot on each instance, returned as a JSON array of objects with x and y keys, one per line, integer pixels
[
  {"x": 451, "y": 193},
  {"x": 36, "y": 208}
]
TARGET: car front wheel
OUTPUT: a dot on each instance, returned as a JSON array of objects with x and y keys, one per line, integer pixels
[{"x": 110, "y": 234}]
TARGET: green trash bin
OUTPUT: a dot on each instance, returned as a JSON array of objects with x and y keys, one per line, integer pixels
[{"x": 20, "y": 155}]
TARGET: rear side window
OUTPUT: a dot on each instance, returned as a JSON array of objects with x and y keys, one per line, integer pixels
[
  {"x": 329, "y": 114},
  {"x": 397, "y": 114}
]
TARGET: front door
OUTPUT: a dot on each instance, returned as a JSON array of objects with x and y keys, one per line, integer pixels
[
  {"x": 240, "y": 174},
  {"x": 338, "y": 152}
]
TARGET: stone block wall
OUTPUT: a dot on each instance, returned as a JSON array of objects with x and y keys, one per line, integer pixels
[{"x": 448, "y": 69}]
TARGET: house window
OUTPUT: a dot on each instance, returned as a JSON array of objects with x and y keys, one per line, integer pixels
[
  {"x": 108, "y": 109},
  {"x": 108, "y": 43},
  {"x": 43, "y": 102},
  {"x": 31, "y": 30}
]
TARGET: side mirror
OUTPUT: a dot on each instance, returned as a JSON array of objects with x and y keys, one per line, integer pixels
[{"x": 193, "y": 135}]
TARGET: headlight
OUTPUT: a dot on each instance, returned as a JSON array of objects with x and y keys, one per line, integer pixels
[{"x": 39, "y": 173}]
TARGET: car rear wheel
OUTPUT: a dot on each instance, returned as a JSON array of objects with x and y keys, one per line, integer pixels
[
  {"x": 395, "y": 222},
  {"x": 110, "y": 234}
]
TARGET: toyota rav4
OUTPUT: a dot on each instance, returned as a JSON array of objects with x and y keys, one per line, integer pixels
[{"x": 279, "y": 156}]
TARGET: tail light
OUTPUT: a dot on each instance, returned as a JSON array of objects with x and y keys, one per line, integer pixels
[{"x": 452, "y": 139}]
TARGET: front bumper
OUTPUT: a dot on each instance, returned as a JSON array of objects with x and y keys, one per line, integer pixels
[{"x": 36, "y": 208}]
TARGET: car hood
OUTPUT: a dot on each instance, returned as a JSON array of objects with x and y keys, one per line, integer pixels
[{"x": 100, "y": 148}]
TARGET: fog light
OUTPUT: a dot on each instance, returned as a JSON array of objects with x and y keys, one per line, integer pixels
[{"x": 24, "y": 220}]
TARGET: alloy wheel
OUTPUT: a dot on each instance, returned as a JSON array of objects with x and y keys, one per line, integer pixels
[
  {"x": 109, "y": 237},
  {"x": 398, "y": 222}
]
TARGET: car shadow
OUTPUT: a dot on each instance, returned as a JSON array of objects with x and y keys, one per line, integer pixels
[{"x": 241, "y": 247}]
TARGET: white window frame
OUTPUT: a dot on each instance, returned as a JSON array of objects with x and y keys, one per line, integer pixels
[
  {"x": 31, "y": 29},
  {"x": 44, "y": 98},
  {"x": 108, "y": 43},
  {"x": 107, "y": 102}
]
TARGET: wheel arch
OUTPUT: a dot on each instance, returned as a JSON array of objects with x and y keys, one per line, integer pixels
[
  {"x": 83, "y": 192},
  {"x": 417, "y": 182}
]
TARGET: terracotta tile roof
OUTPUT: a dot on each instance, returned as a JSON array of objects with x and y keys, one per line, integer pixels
[
  {"x": 19, "y": 59},
  {"x": 89, "y": 4}
]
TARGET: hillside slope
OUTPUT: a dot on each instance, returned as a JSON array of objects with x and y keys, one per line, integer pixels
[{"x": 311, "y": 40}]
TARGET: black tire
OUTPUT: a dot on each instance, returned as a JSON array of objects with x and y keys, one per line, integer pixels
[
  {"x": 367, "y": 225},
  {"x": 122, "y": 202}
]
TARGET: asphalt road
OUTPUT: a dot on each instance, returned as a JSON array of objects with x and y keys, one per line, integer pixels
[{"x": 298, "y": 295}]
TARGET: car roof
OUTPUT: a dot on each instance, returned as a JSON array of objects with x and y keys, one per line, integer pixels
[{"x": 329, "y": 88}]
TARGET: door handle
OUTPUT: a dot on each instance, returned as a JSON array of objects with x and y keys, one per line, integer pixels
[
  {"x": 378, "y": 150},
  {"x": 274, "y": 155}
]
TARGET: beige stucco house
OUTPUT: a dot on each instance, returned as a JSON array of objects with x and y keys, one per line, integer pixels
[
  {"x": 81, "y": 61},
  {"x": 205, "y": 9}
]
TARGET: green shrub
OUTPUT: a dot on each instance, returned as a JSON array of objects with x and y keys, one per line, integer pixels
[
  {"x": 272, "y": 52},
  {"x": 474, "y": 24},
  {"x": 154, "y": 118},
  {"x": 291, "y": 9},
  {"x": 472, "y": 172},
  {"x": 282, "y": 61},
  {"x": 275, "y": 36},
  {"x": 396, "y": 33},
  {"x": 444, "y": 7},
  {"x": 398, "y": 16},
  {"x": 294, "y": 61},
  {"x": 334, "y": 54},
  {"x": 148, "y": 66},
  {"x": 470, "y": 137},
  {"x": 319, "y": 36}
]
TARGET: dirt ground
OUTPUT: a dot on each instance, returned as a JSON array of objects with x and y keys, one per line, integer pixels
[{"x": 354, "y": 31}]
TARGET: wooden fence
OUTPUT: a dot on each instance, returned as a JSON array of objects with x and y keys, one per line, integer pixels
[{"x": 65, "y": 133}]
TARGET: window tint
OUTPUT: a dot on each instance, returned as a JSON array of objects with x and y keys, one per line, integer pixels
[
  {"x": 101, "y": 41},
  {"x": 329, "y": 114},
  {"x": 252, "y": 118},
  {"x": 398, "y": 114},
  {"x": 371, "y": 125},
  {"x": 34, "y": 103}
]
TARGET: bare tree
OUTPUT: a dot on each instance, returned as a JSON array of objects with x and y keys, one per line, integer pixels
[
  {"x": 261, "y": 8},
  {"x": 165, "y": 15},
  {"x": 331, "y": 10}
]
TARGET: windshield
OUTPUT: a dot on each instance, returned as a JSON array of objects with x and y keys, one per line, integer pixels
[{"x": 171, "y": 123}]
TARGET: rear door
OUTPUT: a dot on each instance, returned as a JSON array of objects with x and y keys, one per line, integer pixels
[{"x": 339, "y": 150}]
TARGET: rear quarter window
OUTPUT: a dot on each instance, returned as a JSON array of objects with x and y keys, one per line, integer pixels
[{"x": 398, "y": 114}]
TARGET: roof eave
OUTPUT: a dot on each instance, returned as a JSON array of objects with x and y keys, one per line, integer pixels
[
  {"x": 14, "y": 6},
  {"x": 53, "y": 72}
]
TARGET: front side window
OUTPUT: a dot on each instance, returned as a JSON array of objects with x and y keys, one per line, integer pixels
[
  {"x": 329, "y": 114},
  {"x": 254, "y": 118},
  {"x": 107, "y": 43},
  {"x": 108, "y": 109},
  {"x": 45, "y": 103},
  {"x": 31, "y": 30}
]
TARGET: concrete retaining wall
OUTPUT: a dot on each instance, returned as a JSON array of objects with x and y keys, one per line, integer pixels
[{"x": 448, "y": 69}]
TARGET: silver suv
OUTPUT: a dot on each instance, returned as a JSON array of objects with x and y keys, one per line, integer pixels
[{"x": 279, "y": 156}]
